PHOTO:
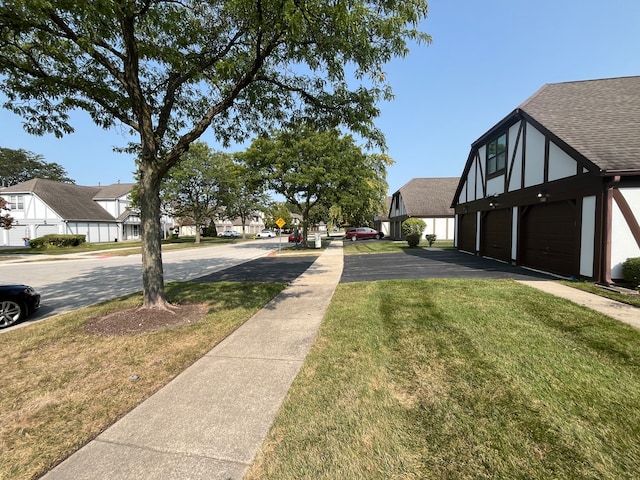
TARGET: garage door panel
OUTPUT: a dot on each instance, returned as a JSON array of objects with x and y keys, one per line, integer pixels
[
  {"x": 467, "y": 232},
  {"x": 549, "y": 238},
  {"x": 496, "y": 235}
]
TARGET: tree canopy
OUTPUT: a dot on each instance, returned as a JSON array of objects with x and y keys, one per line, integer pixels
[
  {"x": 6, "y": 220},
  {"x": 314, "y": 170},
  {"x": 171, "y": 70},
  {"x": 197, "y": 186},
  {"x": 21, "y": 165}
]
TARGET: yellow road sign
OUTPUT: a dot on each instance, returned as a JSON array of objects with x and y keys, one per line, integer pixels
[{"x": 280, "y": 222}]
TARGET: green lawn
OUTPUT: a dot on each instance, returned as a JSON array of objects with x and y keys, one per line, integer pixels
[
  {"x": 386, "y": 246},
  {"x": 116, "y": 248},
  {"x": 460, "y": 379},
  {"x": 62, "y": 385}
]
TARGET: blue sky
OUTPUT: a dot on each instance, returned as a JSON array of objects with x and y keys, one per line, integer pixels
[{"x": 486, "y": 58}]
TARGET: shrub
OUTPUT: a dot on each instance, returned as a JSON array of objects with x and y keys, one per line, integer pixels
[
  {"x": 631, "y": 271},
  {"x": 413, "y": 225},
  {"x": 431, "y": 237},
  {"x": 57, "y": 240},
  {"x": 413, "y": 239}
]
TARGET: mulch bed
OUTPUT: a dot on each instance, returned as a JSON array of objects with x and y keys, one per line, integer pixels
[{"x": 142, "y": 320}]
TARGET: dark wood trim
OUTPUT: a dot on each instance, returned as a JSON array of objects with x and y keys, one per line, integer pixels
[
  {"x": 513, "y": 157},
  {"x": 545, "y": 171},
  {"x": 607, "y": 209},
  {"x": 523, "y": 163},
  {"x": 628, "y": 215},
  {"x": 600, "y": 240},
  {"x": 479, "y": 166}
]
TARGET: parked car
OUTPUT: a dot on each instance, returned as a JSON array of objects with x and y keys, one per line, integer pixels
[
  {"x": 362, "y": 233},
  {"x": 292, "y": 237},
  {"x": 230, "y": 234},
  {"x": 17, "y": 302},
  {"x": 266, "y": 233}
]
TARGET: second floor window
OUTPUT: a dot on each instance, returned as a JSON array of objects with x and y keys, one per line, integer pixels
[
  {"x": 16, "y": 202},
  {"x": 497, "y": 155}
]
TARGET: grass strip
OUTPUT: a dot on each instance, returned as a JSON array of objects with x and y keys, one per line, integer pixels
[
  {"x": 61, "y": 386},
  {"x": 388, "y": 246},
  {"x": 464, "y": 379}
]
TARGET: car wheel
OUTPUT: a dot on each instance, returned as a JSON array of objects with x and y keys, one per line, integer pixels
[
  {"x": 10, "y": 313},
  {"x": 354, "y": 238},
  {"x": 377, "y": 236}
]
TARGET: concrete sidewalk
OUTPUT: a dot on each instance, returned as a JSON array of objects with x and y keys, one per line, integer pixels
[
  {"x": 210, "y": 421},
  {"x": 620, "y": 311}
]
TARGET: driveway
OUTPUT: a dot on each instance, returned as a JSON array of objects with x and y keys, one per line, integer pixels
[
  {"x": 413, "y": 264},
  {"x": 407, "y": 265}
]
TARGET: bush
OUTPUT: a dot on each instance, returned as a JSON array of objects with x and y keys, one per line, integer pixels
[
  {"x": 413, "y": 239},
  {"x": 431, "y": 237},
  {"x": 413, "y": 225},
  {"x": 56, "y": 240},
  {"x": 631, "y": 271}
]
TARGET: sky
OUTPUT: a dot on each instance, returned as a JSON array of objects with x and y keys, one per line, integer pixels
[{"x": 486, "y": 58}]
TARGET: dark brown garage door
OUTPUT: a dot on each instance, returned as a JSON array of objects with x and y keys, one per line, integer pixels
[
  {"x": 467, "y": 232},
  {"x": 495, "y": 234},
  {"x": 549, "y": 239}
]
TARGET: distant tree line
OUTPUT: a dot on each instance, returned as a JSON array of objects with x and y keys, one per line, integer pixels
[{"x": 21, "y": 165}]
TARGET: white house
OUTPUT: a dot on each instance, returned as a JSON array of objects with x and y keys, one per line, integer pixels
[
  {"x": 555, "y": 185},
  {"x": 41, "y": 207},
  {"x": 428, "y": 199}
]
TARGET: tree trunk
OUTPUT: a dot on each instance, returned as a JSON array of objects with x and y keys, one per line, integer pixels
[{"x": 152, "y": 272}]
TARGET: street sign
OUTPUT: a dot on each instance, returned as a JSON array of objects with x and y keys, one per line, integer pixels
[{"x": 280, "y": 222}]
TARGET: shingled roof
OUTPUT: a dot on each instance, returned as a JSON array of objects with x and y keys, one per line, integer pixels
[
  {"x": 429, "y": 197},
  {"x": 597, "y": 118},
  {"x": 70, "y": 202}
]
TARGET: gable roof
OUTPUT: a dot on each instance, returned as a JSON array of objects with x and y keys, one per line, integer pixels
[
  {"x": 598, "y": 118},
  {"x": 428, "y": 197},
  {"x": 114, "y": 191},
  {"x": 71, "y": 202}
]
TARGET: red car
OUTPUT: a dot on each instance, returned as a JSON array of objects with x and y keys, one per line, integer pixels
[
  {"x": 292, "y": 238},
  {"x": 362, "y": 233}
]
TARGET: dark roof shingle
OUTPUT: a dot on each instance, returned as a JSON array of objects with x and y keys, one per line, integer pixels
[
  {"x": 598, "y": 118},
  {"x": 71, "y": 202},
  {"x": 428, "y": 197}
]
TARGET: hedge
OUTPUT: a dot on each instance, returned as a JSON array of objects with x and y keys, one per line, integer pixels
[
  {"x": 56, "y": 240},
  {"x": 631, "y": 271}
]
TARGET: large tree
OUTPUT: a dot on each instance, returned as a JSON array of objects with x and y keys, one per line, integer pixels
[
  {"x": 6, "y": 220},
  {"x": 170, "y": 70},
  {"x": 22, "y": 165},
  {"x": 246, "y": 194},
  {"x": 314, "y": 170},
  {"x": 197, "y": 186}
]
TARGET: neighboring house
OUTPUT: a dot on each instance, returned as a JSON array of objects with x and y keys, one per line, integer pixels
[
  {"x": 555, "y": 185},
  {"x": 381, "y": 222},
  {"x": 253, "y": 224},
  {"x": 428, "y": 199},
  {"x": 41, "y": 207}
]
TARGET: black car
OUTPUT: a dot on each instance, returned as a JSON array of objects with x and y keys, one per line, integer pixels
[{"x": 17, "y": 302}]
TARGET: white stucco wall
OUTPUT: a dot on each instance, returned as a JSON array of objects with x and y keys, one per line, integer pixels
[
  {"x": 623, "y": 245},
  {"x": 561, "y": 165},
  {"x": 443, "y": 228},
  {"x": 534, "y": 157},
  {"x": 588, "y": 236}
]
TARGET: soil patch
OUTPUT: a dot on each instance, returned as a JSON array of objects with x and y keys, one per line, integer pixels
[{"x": 141, "y": 320}]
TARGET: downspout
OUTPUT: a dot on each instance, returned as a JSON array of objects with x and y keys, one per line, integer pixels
[{"x": 605, "y": 274}]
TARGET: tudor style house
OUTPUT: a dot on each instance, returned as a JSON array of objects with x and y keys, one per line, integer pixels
[
  {"x": 555, "y": 185},
  {"x": 41, "y": 207},
  {"x": 428, "y": 199}
]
